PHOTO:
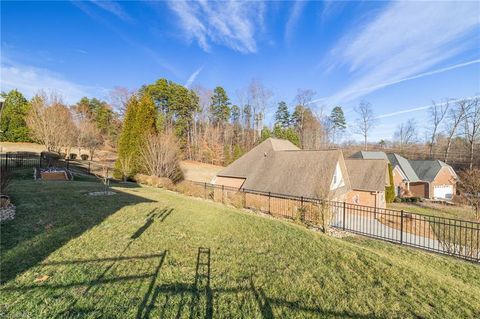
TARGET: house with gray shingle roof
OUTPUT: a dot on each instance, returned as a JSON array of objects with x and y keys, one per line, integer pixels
[
  {"x": 278, "y": 166},
  {"x": 422, "y": 178}
]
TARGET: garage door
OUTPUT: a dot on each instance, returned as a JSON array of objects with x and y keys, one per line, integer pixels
[{"x": 443, "y": 191}]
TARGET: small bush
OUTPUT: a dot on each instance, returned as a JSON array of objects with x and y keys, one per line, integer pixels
[
  {"x": 84, "y": 157},
  {"x": 73, "y": 156},
  {"x": 155, "y": 181},
  {"x": 397, "y": 200},
  {"x": 190, "y": 189}
]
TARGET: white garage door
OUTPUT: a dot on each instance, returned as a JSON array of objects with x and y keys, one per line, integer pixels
[{"x": 443, "y": 191}]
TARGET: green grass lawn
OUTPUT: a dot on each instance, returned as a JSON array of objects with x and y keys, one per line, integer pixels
[
  {"x": 437, "y": 210},
  {"x": 150, "y": 253}
]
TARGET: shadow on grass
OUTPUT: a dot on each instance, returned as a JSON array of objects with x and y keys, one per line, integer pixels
[
  {"x": 49, "y": 214},
  {"x": 156, "y": 213},
  {"x": 177, "y": 300}
]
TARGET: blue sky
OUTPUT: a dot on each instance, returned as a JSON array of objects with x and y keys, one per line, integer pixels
[{"x": 399, "y": 56}]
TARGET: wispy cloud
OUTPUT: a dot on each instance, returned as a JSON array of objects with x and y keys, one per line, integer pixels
[
  {"x": 153, "y": 54},
  {"x": 30, "y": 80},
  {"x": 404, "y": 40},
  {"x": 388, "y": 83},
  {"x": 233, "y": 24},
  {"x": 295, "y": 13},
  {"x": 114, "y": 8},
  {"x": 193, "y": 77},
  {"x": 421, "y": 108}
]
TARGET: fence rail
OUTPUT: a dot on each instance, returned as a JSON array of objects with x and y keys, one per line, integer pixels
[
  {"x": 459, "y": 238},
  {"x": 16, "y": 161}
]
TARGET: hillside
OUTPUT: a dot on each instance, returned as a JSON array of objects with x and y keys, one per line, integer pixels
[{"x": 146, "y": 252}]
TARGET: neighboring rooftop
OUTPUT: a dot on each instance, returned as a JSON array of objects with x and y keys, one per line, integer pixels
[
  {"x": 281, "y": 167},
  {"x": 375, "y": 180},
  {"x": 427, "y": 170},
  {"x": 370, "y": 155}
]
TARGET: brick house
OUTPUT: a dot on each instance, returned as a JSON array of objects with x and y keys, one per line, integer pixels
[
  {"x": 431, "y": 179},
  {"x": 278, "y": 166},
  {"x": 368, "y": 179}
]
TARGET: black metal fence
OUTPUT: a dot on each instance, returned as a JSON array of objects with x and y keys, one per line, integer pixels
[
  {"x": 11, "y": 161},
  {"x": 21, "y": 160},
  {"x": 459, "y": 238}
]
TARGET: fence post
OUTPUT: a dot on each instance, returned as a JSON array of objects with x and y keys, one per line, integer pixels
[
  {"x": 205, "y": 190},
  {"x": 6, "y": 161},
  {"x": 223, "y": 190},
  {"x": 88, "y": 167},
  {"x": 68, "y": 163},
  {"x": 40, "y": 160},
  {"x": 401, "y": 226},
  {"x": 269, "y": 195},
  {"x": 344, "y": 214}
]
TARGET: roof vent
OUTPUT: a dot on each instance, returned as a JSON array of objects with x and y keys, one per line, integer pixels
[{"x": 265, "y": 154}]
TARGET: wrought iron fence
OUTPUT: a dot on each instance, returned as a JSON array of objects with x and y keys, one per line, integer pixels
[
  {"x": 455, "y": 237},
  {"x": 22, "y": 160}
]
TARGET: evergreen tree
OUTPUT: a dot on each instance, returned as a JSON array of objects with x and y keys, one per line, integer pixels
[
  {"x": 282, "y": 116},
  {"x": 338, "y": 123},
  {"x": 139, "y": 122},
  {"x": 287, "y": 134},
  {"x": 235, "y": 110},
  {"x": 175, "y": 105},
  {"x": 237, "y": 152},
  {"x": 220, "y": 106},
  {"x": 266, "y": 133},
  {"x": 390, "y": 190},
  {"x": 13, "y": 127}
]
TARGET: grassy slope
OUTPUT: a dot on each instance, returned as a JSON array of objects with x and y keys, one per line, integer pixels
[
  {"x": 134, "y": 254},
  {"x": 440, "y": 211}
]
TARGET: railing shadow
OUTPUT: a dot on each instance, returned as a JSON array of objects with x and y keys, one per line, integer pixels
[
  {"x": 42, "y": 224},
  {"x": 161, "y": 215}
]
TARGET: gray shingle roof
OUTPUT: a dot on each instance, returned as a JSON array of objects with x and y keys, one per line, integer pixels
[
  {"x": 281, "y": 167},
  {"x": 427, "y": 170},
  {"x": 374, "y": 180},
  {"x": 404, "y": 164},
  {"x": 370, "y": 155}
]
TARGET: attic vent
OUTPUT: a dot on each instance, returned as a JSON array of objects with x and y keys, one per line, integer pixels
[{"x": 265, "y": 154}]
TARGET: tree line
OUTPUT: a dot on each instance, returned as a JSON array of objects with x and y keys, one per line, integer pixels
[{"x": 207, "y": 126}]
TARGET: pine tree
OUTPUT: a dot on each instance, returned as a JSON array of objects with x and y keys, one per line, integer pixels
[
  {"x": 13, "y": 126},
  {"x": 337, "y": 120},
  {"x": 235, "y": 116},
  {"x": 282, "y": 116},
  {"x": 287, "y": 134},
  {"x": 220, "y": 106},
  {"x": 266, "y": 133}
]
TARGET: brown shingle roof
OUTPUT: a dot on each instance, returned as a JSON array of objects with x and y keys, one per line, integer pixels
[
  {"x": 280, "y": 167},
  {"x": 367, "y": 174}
]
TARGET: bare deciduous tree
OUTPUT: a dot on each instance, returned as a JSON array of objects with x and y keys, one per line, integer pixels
[
  {"x": 89, "y": 137},
  {"x": 406, "y": 133},
  {"x": 472, "y": 125},
  {"x": 258, "y": 98},
  {"x": 469, "y": 186},
  {"x": 365, "y": 122},
  {"x": 437, "y": 114},
  {"x": 50, "y": 122},
  {"x": 160, "y": 155},
  {"x": 456, "y": 115}
]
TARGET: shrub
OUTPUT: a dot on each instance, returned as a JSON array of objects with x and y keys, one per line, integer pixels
[
  {"x": 397, "y": 200},
  {"x": 84, "y": 157},
  {"x": 73, "y": 156},
  {"x": 155, "y": 181},
  {"x": 190, "y": 189}
]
